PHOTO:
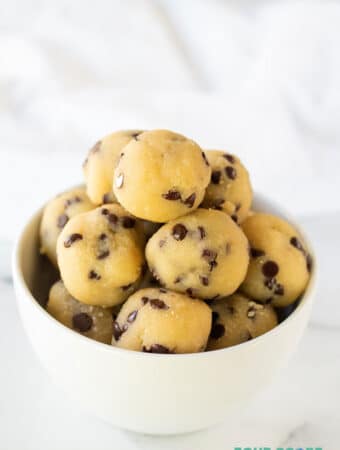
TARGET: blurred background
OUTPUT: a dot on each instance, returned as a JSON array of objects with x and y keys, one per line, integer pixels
[{"x": 260, "y": 78}]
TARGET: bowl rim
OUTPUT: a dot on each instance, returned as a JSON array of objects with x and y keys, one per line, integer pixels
[{"x": 306, "y": 299}]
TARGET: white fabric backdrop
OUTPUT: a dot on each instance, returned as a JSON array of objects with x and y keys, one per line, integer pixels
[{"x": 260, "y": 78}]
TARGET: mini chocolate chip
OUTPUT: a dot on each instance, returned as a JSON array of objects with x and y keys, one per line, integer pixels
[
  {"x": 256, "y": 253},
  {"x": 112, "y": 218},
  {"x": 209, "y": 254},
  {"x": 217, "y": 331},
  {"x": 270, "y": 269},
  {"x": 127, "y": 287},
  {"x": 107, "y": 198},
  {"x": 102, "y": 236},
  {"x": 177, "y": 280},
  {"x": 119, "y": 180},
  {"x": 128, "y": 222},
  {"x": 270, "y": 283},
  {"x": 251, "y": 313},
  {"x": 73, "y": 200},
  {"x": 237, "y": 207},
  {"x": 132, "y": 316},
  {"x": 94, "y": 275},
  {"x": 172, "y": 194},
  {"x": 105, "y": 211},
  {"x": 104, "y": 254},
  {"x": 163, "y": 291},
  {"x": 204, "y": 280},
  {"x": 95, "y": 148},
  {"x": 279, "y": 290},
  {"x": 145, "y": 300},
  {"x": 217, "y": 204},
  {"x": 296, "y": 243},
  {"x": 179, "y": 232},
  {"x": 309, "y": 262},
  {"x": 190, "y": 200},
  {"x": 229, "y": 158},
  {"x": 156, "y": 303},
  {"x": 202, "y": 232},
  {"x": 231, "y": 172},
  {"x": 234, "y": 217},
  {"x": 205, "y": 159},
  {"x": 161, "y": 243},
  {"x": 216, "y": 176},
  {"x": 215, "y": 316},
  {"x": 156, "y": 348},
  {"x": 72, "y": 238},
  {"x": 117, "y": 331},
  {"x": 136, "y": 134},
  {"x": 190, "y": 292},
  {"x": 62, "y": 220},
  {"x": 82, "y": 322}
]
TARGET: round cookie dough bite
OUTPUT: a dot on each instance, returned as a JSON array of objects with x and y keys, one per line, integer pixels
[
  {"x": 161, "y": 175},
  {"x": 280, "y": 264},
  {"x": 203, "y": 254},
  {"x": 229, "y": 189},
  {"x": 57, "y": 213},
  {"x": 161, "y": 321},
  {"x": 91, "y": 321},
  {"x": 100, "y": 255},
  {"x": 99, "y": 165},
  {"x": 238, "y": 319}
]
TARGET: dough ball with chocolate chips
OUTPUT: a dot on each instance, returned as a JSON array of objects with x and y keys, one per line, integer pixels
[
  {"x": 229, "y": 189},
  {"x": 91, "y": 321},
  {"x": 280, "y": 264},
  {"x": 203, "y": 254},
  {"x": 100, "y": 255},
  {"x": 160, "y": 321},
  {"x": 162, "y": 175},
  {"x": 238, "y": 319},
  {"x": 100, "y": 163},
  {"x": 56, "y": 214}
]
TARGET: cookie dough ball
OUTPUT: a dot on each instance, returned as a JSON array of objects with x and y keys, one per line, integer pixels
[
  {"x": 100, "y": 255},
  {"x": 229, "y": 189},
  {"x": 204, "y": 254},
  {"x": 99, "y": 165},
  {"x": 161, "y": 321},
  {"x": 56, "y": 214},
  {"x": 91, "y": 321},
  {"x": 238, "y": 319},
  {"x": 161, "y": 175},
  {"x": 280, "y": 264}
]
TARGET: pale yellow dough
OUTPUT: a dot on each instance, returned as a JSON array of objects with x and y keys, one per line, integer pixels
[
  {"x": 160, "y": 321},
  {"x": 100, "y": 163},
  {"x": 56, "y": 214},
  {"x": 91, "y": 321},
  {"x": 229, "y": 189},
  {"x": 238, "y": 319},
  {"x": 204, "y": 254},
  {"x": 100, "y": 255},
  {"x": 161, "y": 175},
  {"x": 280, "y": 265}
]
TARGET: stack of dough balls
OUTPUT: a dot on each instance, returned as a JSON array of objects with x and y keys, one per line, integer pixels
[{"x": 160, "y": 251}]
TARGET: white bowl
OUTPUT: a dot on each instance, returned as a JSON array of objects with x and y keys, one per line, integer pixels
[{"x": 143, "y": 392}]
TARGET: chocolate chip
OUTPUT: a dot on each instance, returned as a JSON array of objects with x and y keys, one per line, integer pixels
[
  {"x": 127, "y": 287},
  {"x": 117, "y": 331},
  {"x": 202, "y": 232},
  {"x": 251, "y": 313},
  {"x": 205, "y": 159},
  {"x": 72, "y": 238},
  {"x": 279, "y": 290},
  {"x": 128, "y": 222},
  {"x": 105, "y": 211},
  {"x": 204, "y": 280},
  {"x": 209, "y": 254},
  {"x": 94, "y": 275},
  {"x": 136, "y": 134},
  {"x": 177, "y": 280},
  {"x": 163, "y": 291},
  {"x": 102, "y": 236},
  {"x": 119, "y": 180},
  {"x": 62, "y": 220},
  {"x": 237, "y": 207},
  {"x": 190, "y": 292},
  {"x": 216, "y": 176},
  {"x": 190, "y": 200},
  {"x": 73, "y": 200},
  {"x": 231, "y": 172},
  {"x": 145, "y": 300},
  {"x": 217, "y": 331},
  {"x": 172, "y": 194},
  {"x": 112, "y": 218},
  {"x": 82, "y": 322},
  {"x": 156, "y": 348},
  {"x": 161, "y": 243},
  {"x": 104, "y": 254},
  {"x": 270, "y": 283},
  {"x": 179, "y": 232},
  {"x": 296, "y": 243},
  {"x": 229, "y": 158},
  {"x": 156, "y": 303},
  {"x": 270, "y": 269},
  {"x": 215, "y": 316},
  {"x": 132, "y": 316},
  {"x": 217, "y": 204},
  {"x": 309, "y": 263},
  {"x": 234, "y": 217},
  {"x": 107, "y": 198},
  {"x": 256, "y": 253}
]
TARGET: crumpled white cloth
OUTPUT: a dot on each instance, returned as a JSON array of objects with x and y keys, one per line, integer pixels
[{"x": 258, "y": 78}]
